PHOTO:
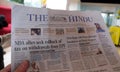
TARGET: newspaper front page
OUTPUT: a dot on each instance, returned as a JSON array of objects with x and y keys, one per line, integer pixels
[{"x": 62, "y": 41}]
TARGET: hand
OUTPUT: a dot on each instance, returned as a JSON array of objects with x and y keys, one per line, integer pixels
[{"x": 21, "y": 68}]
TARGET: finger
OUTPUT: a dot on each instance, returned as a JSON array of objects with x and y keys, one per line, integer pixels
[
  {"x": 6, "y": 69},
  {"x": 23, "y": 66}
]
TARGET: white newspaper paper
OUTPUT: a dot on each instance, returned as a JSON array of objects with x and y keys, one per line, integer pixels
[{"x": 62, "y": 41}]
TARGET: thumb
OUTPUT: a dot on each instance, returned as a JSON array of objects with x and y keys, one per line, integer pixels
[
  {"x": 6, "y": 69},
  {"x": 23, "y": 66}
]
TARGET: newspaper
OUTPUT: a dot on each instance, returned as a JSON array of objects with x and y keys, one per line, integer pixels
[{"x": 62, "y": 41}]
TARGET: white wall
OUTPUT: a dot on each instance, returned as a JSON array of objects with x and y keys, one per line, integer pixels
[
  {"x": 57, "y": 4},
  {"x": 64, "y": 4},
  {"x": 73, "y": 4}
]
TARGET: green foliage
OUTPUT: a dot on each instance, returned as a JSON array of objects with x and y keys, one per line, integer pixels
[
  {"x": 118, "y": 14},
  {"x": 19, "y": 1},
  {"x": 118, "y": 17}
]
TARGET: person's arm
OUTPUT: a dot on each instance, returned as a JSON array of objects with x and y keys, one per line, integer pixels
[{"x": 21, "y": 68}]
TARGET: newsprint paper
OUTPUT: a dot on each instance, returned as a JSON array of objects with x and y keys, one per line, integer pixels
[{"x": 62, "y": 41}]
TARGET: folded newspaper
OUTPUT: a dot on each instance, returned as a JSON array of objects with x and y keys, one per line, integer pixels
[{"x": 62, "y": 41}]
